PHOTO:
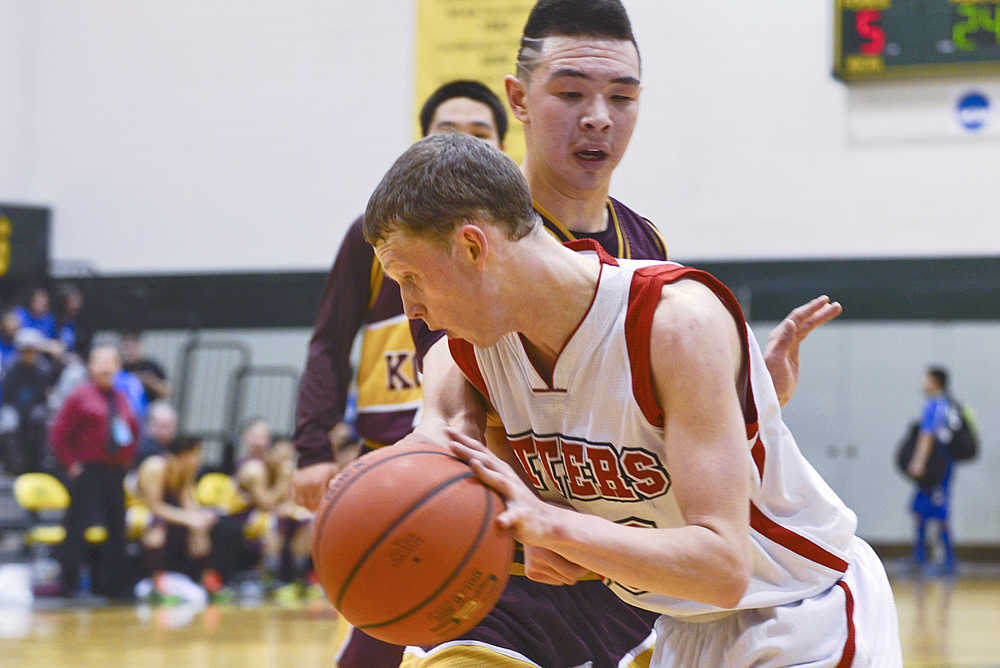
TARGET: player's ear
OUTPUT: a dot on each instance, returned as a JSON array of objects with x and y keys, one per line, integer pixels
[
  {"x": 472, "y": 243},
  {"x": 516, "y": 93}
]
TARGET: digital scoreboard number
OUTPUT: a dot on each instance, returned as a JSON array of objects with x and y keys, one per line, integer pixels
[{"x": 882, "y": 39}]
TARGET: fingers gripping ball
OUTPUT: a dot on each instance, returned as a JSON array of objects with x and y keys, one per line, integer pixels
[{"x": 407, "y": 547}]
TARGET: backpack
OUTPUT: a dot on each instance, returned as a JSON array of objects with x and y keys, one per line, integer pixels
[
  {"x": 963, "y": 443},
  {"x": 937, "y": 463}
]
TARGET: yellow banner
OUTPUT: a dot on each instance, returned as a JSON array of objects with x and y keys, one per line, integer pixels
[{"x": 469, "y": 39}]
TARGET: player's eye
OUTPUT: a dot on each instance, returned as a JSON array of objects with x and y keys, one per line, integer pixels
[{"x": 570, "y": 94}]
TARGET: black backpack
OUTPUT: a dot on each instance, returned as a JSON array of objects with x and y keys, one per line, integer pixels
[
  {"x": 964, "y": 442},
  {"x": 937, "y": 462}
]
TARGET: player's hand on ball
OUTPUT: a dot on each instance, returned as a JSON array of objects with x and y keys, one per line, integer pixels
[
  {"x": 782, "y": 351},
  {"x": 310, "y": 483},
  {"x": 527, "y": 516}
]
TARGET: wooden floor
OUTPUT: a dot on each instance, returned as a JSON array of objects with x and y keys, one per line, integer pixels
[{"x": 942, "y": 623}]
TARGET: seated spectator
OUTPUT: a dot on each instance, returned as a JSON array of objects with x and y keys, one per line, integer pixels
[
  {"x": 147, "y": 370},
  {"x": 26, "y": 385},
  {"x": 70, "y": 372},
  {"x": 129, "y": 384},
  {"x": 206, "y": 544},
  {"x": 179, "y": 537},
  {"x": 36, "y": 312},
  {"x": 10, "y": 323},
  {"x": 266, "y": 483},
  {"x": 68, "y": 329},
  {"x": 292, "y": 543},
  {"x": 264, "y": 475},
  {"x": 160, "y": 431}
]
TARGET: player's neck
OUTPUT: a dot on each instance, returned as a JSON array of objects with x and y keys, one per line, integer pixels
[
  {"x": 580, "y": 210},
  {"x": 558, "y": 289}
]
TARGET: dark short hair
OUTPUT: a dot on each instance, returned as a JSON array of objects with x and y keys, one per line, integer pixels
[
  {"x": 605, "y": 19},
  {"x": 444, "y": 179},
  {"x": 473, "y": 90},
  {"x": 183, "y": 444},
  {"x": 940, "y": 376}
]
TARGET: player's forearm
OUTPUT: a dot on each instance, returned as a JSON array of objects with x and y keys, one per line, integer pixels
[
  {"x": 173, "y": 514},
  {"x": 449, "y": 400},
  {"x": 697, "y": 563}
]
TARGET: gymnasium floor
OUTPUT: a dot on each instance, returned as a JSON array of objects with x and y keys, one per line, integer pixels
[{"x": 942, "y": 623}]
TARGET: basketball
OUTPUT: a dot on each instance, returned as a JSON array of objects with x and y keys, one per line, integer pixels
[{"x": 406, "y": 545}]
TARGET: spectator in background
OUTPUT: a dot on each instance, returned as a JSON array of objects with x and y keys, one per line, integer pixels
[
  {"x": 26, "y": 385},
  {"x": 160, "y": 431},
  {"x": 9, "y": 324},
  {"x": 70, "y": 372},
  {"x": 148, "y": 371},
  {"x": 129, "y": 384},
  {"x": 94, "y": 437},
  {"x": 69, "y": 331},
  {"x": 179, "y": 539},
  {"x": 36, "y": 313},
  {"x": 932, "y": 504}
]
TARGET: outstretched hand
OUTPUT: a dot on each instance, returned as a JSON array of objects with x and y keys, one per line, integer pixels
[{"x": 782, "y": 352}]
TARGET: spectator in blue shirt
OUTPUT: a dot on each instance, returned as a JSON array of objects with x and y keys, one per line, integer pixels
[
  {"x": 37, "y": 314},
  {"x": 129, "y": 384},
  {"x": 932, "y": 504},
  {"x": 69, "y": 303},
  {"x": 10, "y": 323}
]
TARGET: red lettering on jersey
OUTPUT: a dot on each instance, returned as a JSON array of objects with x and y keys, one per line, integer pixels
[
  {"x": 548, "y": 452},
  {"x": 649, "y": 478},
  {"x": 524, "y": 449},
  {"x": 604, "y": 464},
  {"x": 573, "y": 459}
]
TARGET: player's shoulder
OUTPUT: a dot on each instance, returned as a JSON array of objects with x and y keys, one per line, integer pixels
[
  {"x": 625, "y": 211},
  {"x": 251, "y": 468},
  {"x": 689, "y": 315},
  {"x": 645, "y": 239},
  {"x": 154, "y": 465}
]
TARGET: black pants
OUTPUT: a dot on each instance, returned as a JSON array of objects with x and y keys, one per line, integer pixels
[{"x": 96, "y": 499}]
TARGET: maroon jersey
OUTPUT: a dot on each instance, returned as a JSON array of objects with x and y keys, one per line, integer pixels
[
  {"x": 628, "y": 236},
  {"x": 357, "y": 298}
]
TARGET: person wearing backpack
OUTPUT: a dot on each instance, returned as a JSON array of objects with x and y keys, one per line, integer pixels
[{"x": 944, "y": 436}]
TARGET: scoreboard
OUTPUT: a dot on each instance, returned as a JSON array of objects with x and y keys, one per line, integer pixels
[
  {"x": 882, "y": 39},
  {"x": 24, "y": 243}
]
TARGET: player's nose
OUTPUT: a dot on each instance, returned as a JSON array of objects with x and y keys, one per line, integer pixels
[
  {"x": 597, "y": 115},
  {"x": 413, "y": 310}
]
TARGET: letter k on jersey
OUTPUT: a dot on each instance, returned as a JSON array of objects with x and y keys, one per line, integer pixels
[{"x": 585, "y": 471}]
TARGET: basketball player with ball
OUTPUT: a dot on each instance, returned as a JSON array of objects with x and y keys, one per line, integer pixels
[{"x": 636, "y": 393}]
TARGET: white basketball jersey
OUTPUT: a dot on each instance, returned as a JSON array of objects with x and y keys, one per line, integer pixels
[{"x": 593, "y": 433}]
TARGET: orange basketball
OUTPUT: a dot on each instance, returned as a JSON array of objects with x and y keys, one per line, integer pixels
[{"x": 407, "y": 547}]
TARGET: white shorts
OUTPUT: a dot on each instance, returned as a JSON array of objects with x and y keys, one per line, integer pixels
[{"x": 851, "y": 624}]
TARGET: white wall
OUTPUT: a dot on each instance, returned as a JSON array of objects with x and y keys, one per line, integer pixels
[
  {"x": 175, "y": 135},
  {"x": 208, "y": 134},
  {"x": 17, "y": 95}
]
